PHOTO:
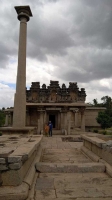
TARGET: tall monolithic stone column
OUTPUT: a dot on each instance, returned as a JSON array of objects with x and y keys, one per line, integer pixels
[{"x": 19, "y": 115}]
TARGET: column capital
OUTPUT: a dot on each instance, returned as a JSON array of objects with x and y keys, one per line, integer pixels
[
  {"x": 76, "y": 110},
  {"x": 23, "y": 12}
]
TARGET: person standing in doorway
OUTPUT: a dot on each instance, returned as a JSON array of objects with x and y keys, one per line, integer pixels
[{"x": 50, "y": 128}]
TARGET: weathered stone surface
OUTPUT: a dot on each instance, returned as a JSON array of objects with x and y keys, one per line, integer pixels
[
  {"x": 90, "y": 154},
  {"x": 2, "y": 160},
  {"x": 84, "y": 192},
  {"x": 0, "y": 179},
  {"x": 92, "y": 198},
  {"x": 87, "y": 144},
  {"x": 107, "y": 156},
  {"x": 76, "y": 185},
  {"x": 43, "y": 194},
  {"x": 94, "y": 140},
  {"x": 31, "y": 172},
  {"x": 19, "y": 160},
  {"x": 15, "y": 165},
  {"x": 14, "y": 193},
  {"x": 69, "y": 168},
  {"x": 12, "y": 177},
  {"x": 15, "y": 177},
  {"x": 14, "y": 159},
  {"x": 4, "y": 152},
  {"x": 3, "y": 167},
  {"x": 44, "y": 183},
  {"x": 109, "y": 143}
]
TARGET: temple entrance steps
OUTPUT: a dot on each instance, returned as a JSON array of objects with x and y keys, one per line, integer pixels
[
  {"x": 57, "y": 132},
  {"x": 65, "y": 173}
]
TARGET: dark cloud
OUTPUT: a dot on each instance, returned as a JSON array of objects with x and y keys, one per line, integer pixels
[{"x": 74, "y": 35}]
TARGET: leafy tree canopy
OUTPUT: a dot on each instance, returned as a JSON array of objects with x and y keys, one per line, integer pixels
[{"x": 104, "y": 120}]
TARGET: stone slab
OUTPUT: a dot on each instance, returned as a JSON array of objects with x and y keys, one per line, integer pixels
[
  {"x": 73, "y": 198},
  {"x": 90, "y": 154},
  {"x": 44, "y": 183},
  {"x": 14, "y": 159},
  {"x": 69, "y": 168},
  {"x": 15, "y": 166},
  {"x": 43, "y": 194},
  {"x": 95, "y": 140},
  {"x": 14, "y": 193},
  {"x": 77, "y": 185}
]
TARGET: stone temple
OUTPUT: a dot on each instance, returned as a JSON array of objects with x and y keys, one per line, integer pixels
[{"x": 64, "y": 106}]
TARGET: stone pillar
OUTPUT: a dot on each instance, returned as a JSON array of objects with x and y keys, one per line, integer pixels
[
  {"x": 27, "y": 117},
  {"x": 82, "y": 119},
  {"x": 76, "y": 117},
  {"x": 59, "y": 120},
  {"x": 45, "y": 120},
  {"x": 65, "y": 120},
  {"x": 19, "y": 116},
  {"x": 62, "y": 121},
  {"x": 42, "y": 121},
  {"x": 6, "y": 119},
  {"x": 68, "y": 122}
]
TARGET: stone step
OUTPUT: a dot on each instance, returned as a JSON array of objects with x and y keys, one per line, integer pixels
[
  {"x": 57, "y": 132},
  {"x": 69, "y": 168},
  {"x": 77, "y": 186}
]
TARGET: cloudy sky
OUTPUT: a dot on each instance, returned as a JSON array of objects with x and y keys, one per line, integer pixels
[{"x": 67, "y": 40}]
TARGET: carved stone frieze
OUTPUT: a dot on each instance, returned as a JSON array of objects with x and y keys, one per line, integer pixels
[{"x": 55, "y": 93}]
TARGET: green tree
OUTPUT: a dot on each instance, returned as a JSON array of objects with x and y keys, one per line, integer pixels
[
  {"x": 107, "y": 102},
  {"x": 104, "y": 120},
  {"x": 95, "y": 102}
]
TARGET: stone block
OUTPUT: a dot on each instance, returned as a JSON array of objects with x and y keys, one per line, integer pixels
[
  {"x": 69, "y": 168},
  {"x": 13, "y": 193},
  {"x": 44, "y": 183},
  {"x": 3, "y": 167},
  {"x": 15, "y": 165},
  {"x": 5, "y": 152},
  {"x": 2, "y": 160},
  {"x": 87, "y": 144},
  {"x": 90, "y": 154},
  {"x": 14, "y": 159},
  {"x": 107, "y": 156},
  {"x": 97, "y": 150},
  {"x": 12, "y": 178},
  {"x": 0, "y": 179},
  {"x": 104, "y": 146},
  {"x": 15, "y": 177}
]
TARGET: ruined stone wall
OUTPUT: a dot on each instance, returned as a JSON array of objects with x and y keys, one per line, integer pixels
[{"x": 90, "y": 116}]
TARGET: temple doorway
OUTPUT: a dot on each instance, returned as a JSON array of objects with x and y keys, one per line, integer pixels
[{"x": 52, "y": 119}]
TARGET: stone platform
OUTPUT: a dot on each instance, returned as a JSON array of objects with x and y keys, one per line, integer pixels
[
  {"x": 11, "y": 130},
  {"x": 64, "y": 171},
  {"x": 18, "y": 154},
  {"x": 99, "y": 149}
]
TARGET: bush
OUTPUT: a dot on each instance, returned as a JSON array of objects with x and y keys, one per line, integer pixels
[
  {"x": 95, "y": 131},
  {"x": 0, "y": 133},
  {"x": 103, "y": 132}
]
